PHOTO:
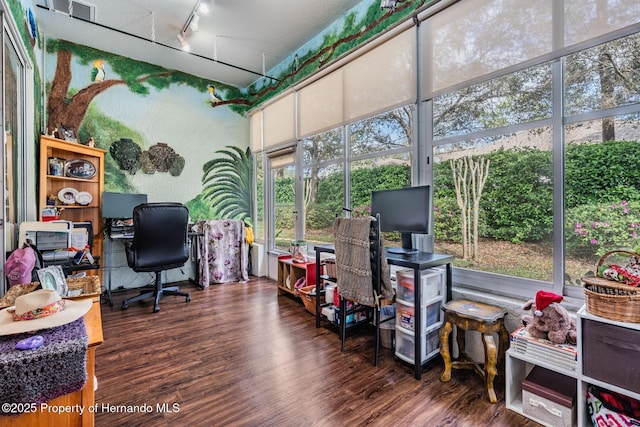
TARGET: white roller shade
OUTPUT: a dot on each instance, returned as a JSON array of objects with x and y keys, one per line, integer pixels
[
  {"x": 279, "y": 121},
  {"x": 320, "y": 105},
  {"x": 381, "y": 78},
  {"x": 586, "y": 20},
  {"x": 474, "y": 38},
  {"x": 255, "y": 129},
  {"x": 282, "y": 160},
  {"x": 471, "y": 39}
]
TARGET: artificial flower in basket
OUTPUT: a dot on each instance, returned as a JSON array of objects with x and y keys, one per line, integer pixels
[{"x": 628, "y": 274}]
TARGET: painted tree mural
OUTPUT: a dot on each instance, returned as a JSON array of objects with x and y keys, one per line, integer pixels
[
  {"x": 65, "y": 107},
  {"x": 68, "y": 106}
]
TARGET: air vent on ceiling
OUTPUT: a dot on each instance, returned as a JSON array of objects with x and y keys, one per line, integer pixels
[{"x": 79, "y": 9}]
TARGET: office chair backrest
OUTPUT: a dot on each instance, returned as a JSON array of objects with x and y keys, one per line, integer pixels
[{"x": 160, "y": 236}]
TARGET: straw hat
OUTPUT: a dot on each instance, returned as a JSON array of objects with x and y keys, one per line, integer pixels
[{"x": 41, "y": 309}]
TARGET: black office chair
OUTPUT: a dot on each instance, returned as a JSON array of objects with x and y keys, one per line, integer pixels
[{"x": 159, "y": 243}]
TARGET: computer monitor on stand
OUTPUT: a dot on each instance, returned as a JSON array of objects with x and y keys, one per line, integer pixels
[
  {"x": 120, "y": 205},
  {"x": 403, "y": 210}
]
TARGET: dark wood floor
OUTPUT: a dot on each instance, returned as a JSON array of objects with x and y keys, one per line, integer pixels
[{"x": 239, "y": 355}]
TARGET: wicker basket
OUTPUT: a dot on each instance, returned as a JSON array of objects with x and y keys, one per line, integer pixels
[
  {"x": 89, "y": 286},
  {"x": 308, "y": 296},
  {"x": 610, "y": 299}
]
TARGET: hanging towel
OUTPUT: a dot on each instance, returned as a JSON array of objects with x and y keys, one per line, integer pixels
[{"x": 353, "y": 260}]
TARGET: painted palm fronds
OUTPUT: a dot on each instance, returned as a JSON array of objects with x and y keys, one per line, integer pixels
[{"x": 227, "y": 183}]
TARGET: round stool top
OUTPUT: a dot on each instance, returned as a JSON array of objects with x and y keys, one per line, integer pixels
[{"x": 474, "y": 310}]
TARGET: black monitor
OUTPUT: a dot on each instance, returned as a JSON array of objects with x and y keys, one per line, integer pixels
[
  {"x": 120, "y": 205},
  {"x": 404, "y": 210}
]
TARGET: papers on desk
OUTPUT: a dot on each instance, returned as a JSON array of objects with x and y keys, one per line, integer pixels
[
  {"x": 121, "y": 235},
  {"x": 79, "y": 238},
  {"x": 121, "y": 229}
]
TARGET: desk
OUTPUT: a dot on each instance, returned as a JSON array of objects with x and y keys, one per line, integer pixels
[
  {"x": 110, "y": 238},
  {"x": 417, "y": 262},
  {"x": 69, "y": 267},
  {"x": 193, "y": 238},
  {"x": 83, "y": 398}
]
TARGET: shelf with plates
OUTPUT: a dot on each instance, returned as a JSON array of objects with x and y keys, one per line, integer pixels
[{"x": 71, "y": 182}]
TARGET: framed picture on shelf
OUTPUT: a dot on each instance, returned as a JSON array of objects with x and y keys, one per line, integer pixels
[
  {"x": 53, "y": 278},
  {"x": 68, "y": 134}
]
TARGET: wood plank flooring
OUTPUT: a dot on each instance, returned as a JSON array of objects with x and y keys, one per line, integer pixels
[{"x": 239, "y": 355}]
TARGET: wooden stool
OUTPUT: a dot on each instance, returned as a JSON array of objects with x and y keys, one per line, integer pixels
[{"x": 474, "y": 316}]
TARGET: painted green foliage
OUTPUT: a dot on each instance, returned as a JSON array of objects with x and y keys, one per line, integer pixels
[
  {"x": 69, "y": 105},
  {"x": 227, "y": 183},
  {"x": 353, "y": 33}
]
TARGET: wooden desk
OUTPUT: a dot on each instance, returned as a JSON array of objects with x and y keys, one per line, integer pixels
[{"x": 84, "y": 398}]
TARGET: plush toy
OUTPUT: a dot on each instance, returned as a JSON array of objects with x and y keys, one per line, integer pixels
[{"x": 549, "y": 320}]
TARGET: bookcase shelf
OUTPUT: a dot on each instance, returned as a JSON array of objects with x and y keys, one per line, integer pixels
[{"x": 519, "y": 365}]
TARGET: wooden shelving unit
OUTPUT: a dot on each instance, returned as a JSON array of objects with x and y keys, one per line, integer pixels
[
  {"x": 50, "y": 185},
  {"x": 289, "y": 272},
  {"x": 519, "y": 365}
]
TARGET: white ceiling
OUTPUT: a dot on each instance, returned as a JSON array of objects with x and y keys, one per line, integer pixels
[{"x": 241, "y": 35}]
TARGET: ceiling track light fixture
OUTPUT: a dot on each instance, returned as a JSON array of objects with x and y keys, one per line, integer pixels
[
  {"x": 183, "y": 43},
  {"x": 195, "y": 23},
  {"x": 200, "y": 7},
  {"x": 167, "y": 46}
]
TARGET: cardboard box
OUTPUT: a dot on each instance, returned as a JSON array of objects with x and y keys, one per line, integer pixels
[{"x": 549, "y": 397}]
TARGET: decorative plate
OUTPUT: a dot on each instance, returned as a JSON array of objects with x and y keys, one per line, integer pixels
[
  {"x": 80, "y": 168},
  {"x": 83, "y": 198},
  {"x": 67, "y": 195}
]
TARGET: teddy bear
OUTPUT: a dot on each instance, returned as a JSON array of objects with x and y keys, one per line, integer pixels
[{"x": 548, "y": 319}]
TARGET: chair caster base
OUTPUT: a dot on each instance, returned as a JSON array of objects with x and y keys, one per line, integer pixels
[
  {"x": 188, "y": 298},
  {"x": 124, "y": 306}
]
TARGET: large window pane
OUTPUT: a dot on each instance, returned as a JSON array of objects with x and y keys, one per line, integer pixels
[
  {"x": 493, "y": 203},
  {"x": 587, "y": 20},
  {"x": 602, "y": 192},
  {"x": 603, "y": 77},
  {"x": 383, "y": 132},
  {"x": 326, "y": 146},
  {"x": 14, "y": 173},
  {"x": 602, "y": 178},
  {"x": 516, "y": 98},
  {"x": 284, "y": 208},
  {"x": 323, "y": 183},
  {"x": 379, "y": 173},
  {"x": 258, "y": 223},
  {"x": 323, "y": 202}
]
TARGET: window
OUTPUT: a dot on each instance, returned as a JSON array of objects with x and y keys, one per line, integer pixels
[
  {"x": 529, "y": 139},
  {"x": 259, "y": 217},
  {"x": 323, "y": 177},
  {"x": 378, "y": 156},
  {"x": 13, "y": 107},
  {"x": 499, "y": 147},
  {"x": 381, "y": 149},
  {"x": 602, "y": 152},
  {"x": 493, "y": 175},
  {"x": 285, "y": 214}
]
